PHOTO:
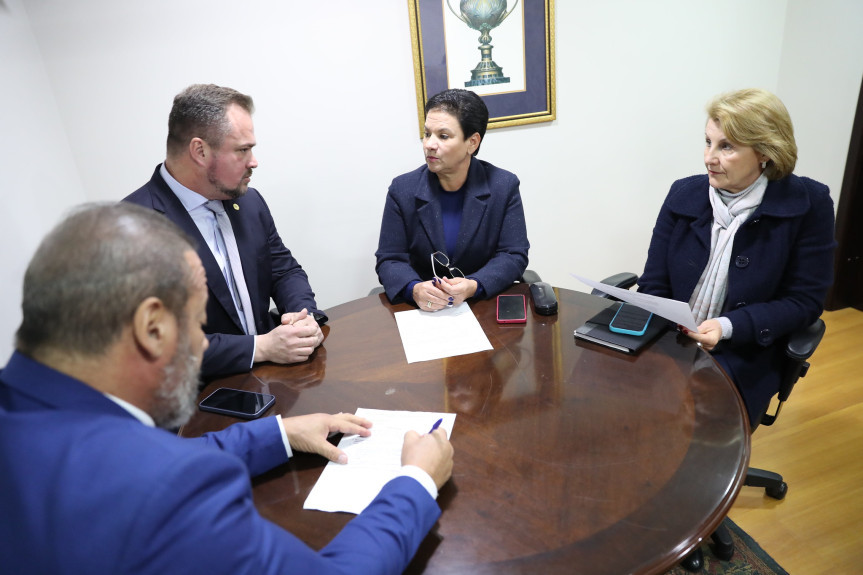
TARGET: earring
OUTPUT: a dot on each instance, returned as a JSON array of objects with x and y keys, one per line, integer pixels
[{"x": 763, "y": 165}]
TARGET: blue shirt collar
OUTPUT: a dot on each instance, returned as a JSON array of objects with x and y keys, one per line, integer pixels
[{"x": 187, "y": 197}]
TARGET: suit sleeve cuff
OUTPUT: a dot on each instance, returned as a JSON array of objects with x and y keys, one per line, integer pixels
[
  {"x": 284, "y": 435},
  {"x": 409, "y": 291},
  {"x": 421, "y": 476},
  {"x": 727, "y": 328},
  {"x": 480, "y": 291},
  {"x": 254, "y": 349}
]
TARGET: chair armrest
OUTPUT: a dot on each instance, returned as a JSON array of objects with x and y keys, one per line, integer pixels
[
  {"x": 802, "y": 343},
  {"x": 623, "y": 280},
  {"x": 530, "y": 277},
  {"x": 800, "y": 346}
]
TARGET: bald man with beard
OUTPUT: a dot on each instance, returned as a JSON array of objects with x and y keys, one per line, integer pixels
[{"x": 107, "y": 359}]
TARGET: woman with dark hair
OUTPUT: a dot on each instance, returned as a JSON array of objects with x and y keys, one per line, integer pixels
[
  {"x": 748, "y": 244},
  {"x": 453, "y": 228}
]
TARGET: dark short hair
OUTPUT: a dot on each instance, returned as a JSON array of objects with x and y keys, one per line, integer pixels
[
  {"x": 200, "y": 111},
  {"x": 467, "y": 107},
  {"x": 92, "y": 271}
]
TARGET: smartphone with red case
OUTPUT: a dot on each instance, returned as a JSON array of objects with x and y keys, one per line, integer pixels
[{"x": 511, "y": 309}]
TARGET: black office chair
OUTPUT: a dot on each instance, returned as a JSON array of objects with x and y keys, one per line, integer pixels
[
  {"x": 623, "y": 280},
  {"x": 528, "y": 277},
  {"x": 799, "y": 348}
]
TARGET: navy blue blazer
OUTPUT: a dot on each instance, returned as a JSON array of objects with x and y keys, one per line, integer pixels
[
  {"x": 87, "y": 488},
  {"x": 492, "y": 243},
  {"x": 781, "y": 268},
  {"x": 269, "y": 268}
]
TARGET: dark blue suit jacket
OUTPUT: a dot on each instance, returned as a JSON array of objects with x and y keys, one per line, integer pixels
[
  {"x": 269, "y": 268},
  {"x": 492, "y": 242},
  {"x": 87, "y": 488},
  {"x": 781, "y": 268}
]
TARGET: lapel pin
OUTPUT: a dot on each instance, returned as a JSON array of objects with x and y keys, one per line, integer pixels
[{"x": 236, "y": 207}]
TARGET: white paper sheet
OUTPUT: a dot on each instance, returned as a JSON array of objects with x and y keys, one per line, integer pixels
[
  {"x": 444, "y": 333},
  {"x": 676, "y": 311},
  {"x": 372, "y": 461}
]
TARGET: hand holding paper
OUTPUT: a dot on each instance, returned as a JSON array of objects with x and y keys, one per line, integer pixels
[
  {"x": 708, "y": 335},
  {"x": 673, "y": 310},
  {"x": 309, "y": 433}
]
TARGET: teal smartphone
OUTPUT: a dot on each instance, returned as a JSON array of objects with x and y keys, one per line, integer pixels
[{"x": 630, "y": 319}]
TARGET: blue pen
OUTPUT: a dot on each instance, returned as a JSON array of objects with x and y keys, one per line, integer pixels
[{"x": 436, "y": 425}]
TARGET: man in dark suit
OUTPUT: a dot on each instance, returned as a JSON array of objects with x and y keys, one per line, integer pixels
[
  {"x": 203, "y": 187},
  {"x": 109, "y": 347}
]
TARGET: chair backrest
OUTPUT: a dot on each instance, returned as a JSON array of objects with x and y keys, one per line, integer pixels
[
  {"x": 623, "y": 280},
  {"x": 529, "y": 277},
  {"x": 799, "y": 348}
]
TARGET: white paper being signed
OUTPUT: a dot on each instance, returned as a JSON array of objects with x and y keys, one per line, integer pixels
[
  {"x": 372, "y": 461},
  {"x": 445, "y": 333}
]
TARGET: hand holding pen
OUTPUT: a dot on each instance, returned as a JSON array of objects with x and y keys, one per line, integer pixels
[{"x": 431, "y": 452}]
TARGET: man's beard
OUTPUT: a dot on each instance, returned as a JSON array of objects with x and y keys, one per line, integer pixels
[
  {"x": 177, "y": 396},
  {"x": 233, "y": 193}
]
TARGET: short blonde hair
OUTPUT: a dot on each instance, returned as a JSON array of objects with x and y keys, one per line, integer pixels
[{"x": 758, "y": 119}]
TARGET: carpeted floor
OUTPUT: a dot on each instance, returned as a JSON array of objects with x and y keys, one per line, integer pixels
[{"x": 749, "y": 558}]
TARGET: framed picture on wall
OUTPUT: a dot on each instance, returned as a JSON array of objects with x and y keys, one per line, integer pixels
[{"x": 501, "y": 49}]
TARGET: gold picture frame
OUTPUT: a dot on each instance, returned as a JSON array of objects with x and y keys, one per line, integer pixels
[{"x": 441, "y": 37}]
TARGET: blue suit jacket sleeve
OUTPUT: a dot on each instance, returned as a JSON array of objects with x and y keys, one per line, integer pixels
[
  {"x": 492, "y": 243},
  {"x": 114, "y": 496},
  {"x": 257, "y": 443},
  {"x": 201, "y": 516},
  {"x": 382, "y": 539}
]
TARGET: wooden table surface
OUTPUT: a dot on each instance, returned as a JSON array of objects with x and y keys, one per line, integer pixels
[{"x": 569, "y": 457}]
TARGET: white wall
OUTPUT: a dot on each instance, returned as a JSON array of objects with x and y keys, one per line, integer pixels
[
  {"x": 40, "y": 180},
  {"x": 336, "y": 112},
  {"x": 819, "y": 81},
  {"x": 633, "y": 79}
]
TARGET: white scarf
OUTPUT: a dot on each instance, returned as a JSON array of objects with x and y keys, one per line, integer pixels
[{"x": 730, "y": 210}]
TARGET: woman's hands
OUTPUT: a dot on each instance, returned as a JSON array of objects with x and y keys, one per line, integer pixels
[
  {"x": 437, "y": 294},
  {"x": 709, "y": 334}
]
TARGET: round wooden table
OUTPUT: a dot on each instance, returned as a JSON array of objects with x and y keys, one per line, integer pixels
[{"x": 569, "y": 457}]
